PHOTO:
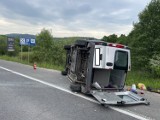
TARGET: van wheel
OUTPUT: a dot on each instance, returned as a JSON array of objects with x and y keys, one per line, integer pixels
[
  {"x": 75, "y": 87},
  {"x": 64, "y": 72},
  {"x": 67, "y": 47},
  {"x": 80, "y": 43}
]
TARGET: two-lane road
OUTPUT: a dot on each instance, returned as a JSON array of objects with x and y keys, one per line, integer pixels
[{"x": 44, "y": 94}]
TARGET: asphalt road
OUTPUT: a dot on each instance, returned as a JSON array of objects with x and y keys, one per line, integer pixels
[{"x": 44, "y": 94}]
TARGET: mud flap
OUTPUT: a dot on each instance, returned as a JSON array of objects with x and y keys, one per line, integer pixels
[{"x": 118, "y": 98}]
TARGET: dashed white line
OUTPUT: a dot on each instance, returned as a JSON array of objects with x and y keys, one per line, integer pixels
[{"x": 140, "y": 117}]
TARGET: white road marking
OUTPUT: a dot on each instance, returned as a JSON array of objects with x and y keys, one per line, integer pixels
[{"x": 140, "y": 117}]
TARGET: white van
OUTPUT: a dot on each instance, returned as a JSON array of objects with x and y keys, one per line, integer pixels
[{"x": 100, "y": 68}]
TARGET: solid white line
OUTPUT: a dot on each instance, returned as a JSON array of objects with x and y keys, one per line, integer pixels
[{"x": 79, "y": 95}]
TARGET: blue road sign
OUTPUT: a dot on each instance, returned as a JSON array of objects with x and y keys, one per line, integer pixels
[
  {"x": 32, "y": 42},
  {"x": 28, "y": 41},
  {"x": 23, "y": 41}
]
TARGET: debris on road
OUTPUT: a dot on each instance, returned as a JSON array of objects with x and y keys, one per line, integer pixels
[
  {"x": 34, "y": 66},
  {"x": 141, "y": 86}
]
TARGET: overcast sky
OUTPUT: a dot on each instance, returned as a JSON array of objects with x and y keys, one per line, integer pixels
[{"x": 92, "y": 18}]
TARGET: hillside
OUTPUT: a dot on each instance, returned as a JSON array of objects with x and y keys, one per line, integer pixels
[{"x": 18, "y": 35}]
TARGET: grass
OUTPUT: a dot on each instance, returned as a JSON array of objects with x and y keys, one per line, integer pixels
[
  {"x": 43, "y": 65},
  {"x": 14, "y": 59},
  {"x": 133, "y": 77}
]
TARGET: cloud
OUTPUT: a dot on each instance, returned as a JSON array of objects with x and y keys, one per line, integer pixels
[
  {"x": 120, "y": 12},
  {"x": 70, "y": 17},
  {"x": 18, "y": 7}
]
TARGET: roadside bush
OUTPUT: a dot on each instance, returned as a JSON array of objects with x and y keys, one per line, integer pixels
[
  {"x": 24, "y": 56},
  {"x": 155, "y": 65},
  {"x": 34, "y": 57}
]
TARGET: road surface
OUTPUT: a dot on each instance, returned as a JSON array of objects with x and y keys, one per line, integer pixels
[{"x": 43, "y": 94}]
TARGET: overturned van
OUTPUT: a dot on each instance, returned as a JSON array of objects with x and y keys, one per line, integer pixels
[{"x": 100, "y": 68}]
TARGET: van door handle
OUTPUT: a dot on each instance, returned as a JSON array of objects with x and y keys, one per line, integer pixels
[{"x": 100, "y": 57}]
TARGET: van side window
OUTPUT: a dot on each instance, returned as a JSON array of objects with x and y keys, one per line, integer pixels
[{"x": 121, "y": 60}]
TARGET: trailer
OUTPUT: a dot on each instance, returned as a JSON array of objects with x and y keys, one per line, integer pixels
[{"x": 99, "y": 68}]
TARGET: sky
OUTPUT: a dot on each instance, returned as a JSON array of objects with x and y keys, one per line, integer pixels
[{"x": 66, "y": 18}]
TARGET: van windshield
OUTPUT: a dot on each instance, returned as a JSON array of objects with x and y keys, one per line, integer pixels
[{"x": 121, "y": 60}]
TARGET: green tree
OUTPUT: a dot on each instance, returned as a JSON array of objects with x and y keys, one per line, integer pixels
[
  {"x": 144, "y": 37},
  {"x": 111, "y": 38},
  {"x": 105, "y": 38},
  {"x": 3, "y": 44},
  {"x": 43, "y": 48},
  {"x": 48, "y": 50},
  {"x": 122, "y": 39}
]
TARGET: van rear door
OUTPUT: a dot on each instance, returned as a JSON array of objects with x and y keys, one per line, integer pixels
[{"x": 118, "y": 98}]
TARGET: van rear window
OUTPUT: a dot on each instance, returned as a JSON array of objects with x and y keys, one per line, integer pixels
[{"x": 121, "y": 60}]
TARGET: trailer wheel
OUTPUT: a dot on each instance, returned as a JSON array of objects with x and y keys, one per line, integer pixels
[
  {"x": 67, "y": 47},
  {"x": 64, "y": 72},
  {"x": 75, "y": 87}
]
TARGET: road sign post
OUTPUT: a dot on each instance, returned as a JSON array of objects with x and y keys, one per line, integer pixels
[
  {"x": 21, "y": 53},
  {"x": 28, "y": 42},
  {"x": 28, "y": 53}
]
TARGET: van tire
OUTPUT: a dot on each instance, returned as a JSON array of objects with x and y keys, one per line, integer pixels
[
  {"x": 67, "y": 47},
  {"x": 75, "y": 87},
  {"x": 80, "y": 43},
  {"x": 64, "y": 72}
]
